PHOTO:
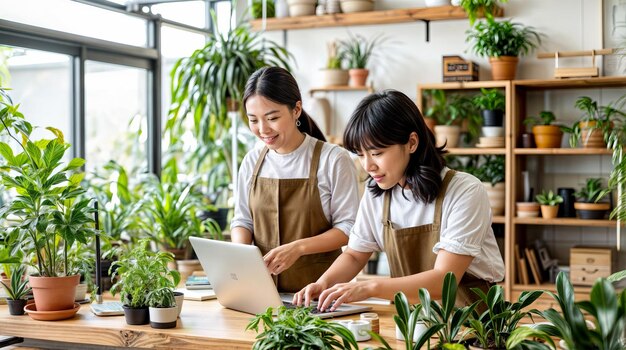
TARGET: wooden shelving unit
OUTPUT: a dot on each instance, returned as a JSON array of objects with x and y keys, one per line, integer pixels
[
  {"x": 516, "y": 228},
  {"x": 426, "y": 14}
]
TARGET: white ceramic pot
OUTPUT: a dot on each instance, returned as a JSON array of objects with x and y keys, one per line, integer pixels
[
  {"x": 350, "y": 6},
  {"x": 163, "y": 317},
  {"x": 335, "y": 77},
  {"x": 81, "y": 292},
  {"x": 448, "y": 135},
  {"x": 179, "y": 297},
  {"x": 281, "y": 9},
  {"x": 420, "y": 328},
  {"x": 493, "y": 131},
  {"x": 301, "y": 7}
]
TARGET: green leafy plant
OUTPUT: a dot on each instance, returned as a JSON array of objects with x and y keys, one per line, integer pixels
[
  {"x": 202, "y": 86},
  {"x": 407, "y": 318},
  {"x": 549, "y": 198},
  {"x": 140, "y": 271},
  {"x": 492, "y": 328},
  {"x": 491, "y": 169},
  {"x": 495, "y": 39},
  {"x": 298, "y": 329},
  {"x": 48, "y": 211},
  {"x": 18, "y": 288},
  {"x": 544, "y": 118},
  {"x": 603, "y": 118},
  {"x": 474, "y": 8},
  {"x": 606, "y": 308},
  {"x": 449, "y": 109},
  {"x": 257, "y": 9},
  {"x": 592, "y": 192},
  {"x": 357, "y": 50},
  {"x": 161, "y": 298},
  {"x": 490, "y": 99}
]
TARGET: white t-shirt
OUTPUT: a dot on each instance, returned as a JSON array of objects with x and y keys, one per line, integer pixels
[
  {"x": 336, "y": 180},
  {"x": 465, "y": 223}
]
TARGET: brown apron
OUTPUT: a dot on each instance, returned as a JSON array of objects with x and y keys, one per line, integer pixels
[
  {"x": 286, "y": 210},
  {"x": 409, "y": 250}
]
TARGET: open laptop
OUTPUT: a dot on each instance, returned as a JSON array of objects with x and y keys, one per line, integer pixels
[{"x": 241, "y": 280}]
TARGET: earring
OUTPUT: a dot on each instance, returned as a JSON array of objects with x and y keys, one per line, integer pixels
[{"x": 298, "y": 123}]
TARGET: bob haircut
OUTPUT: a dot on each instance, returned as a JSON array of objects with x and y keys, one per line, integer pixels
[
  {"x": 278, "y": 85},
  {"x": 388, "y": 118}
]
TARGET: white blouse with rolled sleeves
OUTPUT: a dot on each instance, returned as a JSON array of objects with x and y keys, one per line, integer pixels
[
  {"x": 336, "y": 180},
  {"x": 465, "y": 223}
]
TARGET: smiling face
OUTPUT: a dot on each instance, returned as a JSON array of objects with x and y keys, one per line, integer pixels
[
  {"x": 274, "y": 124},
  {"x": 387, "y": 166}
]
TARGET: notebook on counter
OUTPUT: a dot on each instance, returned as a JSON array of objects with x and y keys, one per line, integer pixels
[
  {"x": 241, "y": 280},
  {"x": 197, "y": 294}
]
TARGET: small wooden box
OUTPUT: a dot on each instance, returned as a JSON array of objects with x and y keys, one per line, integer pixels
[
  {"x": 455, "y": 68},
  {"x": 588, "y": 264}
]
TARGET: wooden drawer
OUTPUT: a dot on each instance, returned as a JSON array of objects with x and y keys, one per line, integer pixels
[
  {"x": 587, "y": 275},
  {"x": 591, "y": 257}
]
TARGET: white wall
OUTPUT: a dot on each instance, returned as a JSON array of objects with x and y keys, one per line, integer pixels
[{"x": 408, "y": 60}]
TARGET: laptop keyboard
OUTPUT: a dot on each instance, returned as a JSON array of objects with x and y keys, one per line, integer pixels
[{"x": 314, "y": 309}]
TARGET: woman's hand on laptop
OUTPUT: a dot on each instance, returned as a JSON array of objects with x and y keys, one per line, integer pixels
[
  {"x": 340, "y": 293},
  {"x": 281, "y": 258},
  {"x": 308, "y": 294}
]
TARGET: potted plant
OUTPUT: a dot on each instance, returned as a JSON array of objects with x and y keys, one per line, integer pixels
[
  {"x": 597, "y": 122},
  {"x": 17, "y": 291},
  {"x": 292, "y": 328},
  {"x": 492, "y": 328},
  {"x": 162, "y": 308},
  {"x": 334, "y": 74},
  {"x": 140, "y": 271},
  {"x": 492, "y": 104},
  {"x": 606, "y": 309},
  {"x": 452, "y": 114},
  {"x": 491, "y": 173},
  {"x": 48, "y": 211},
  {"x": 256, "y": 10},
  {"x": 549, "y": 202},
  {"x": 502, "y": 42},
  {"x": 586, "y": 205},
  {"x": 546, "y": 134},
  {"x": 357, "y": 51},
  {"x": 474, "y": 8},
  {"x": 527, "y": 209}
]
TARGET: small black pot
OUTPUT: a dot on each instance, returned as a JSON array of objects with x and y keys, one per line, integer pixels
[
  {"x": 566, "y": 209},
  {"x": 16, "y": 307},
  {"x": 492, "y": 117},
  {"x": 136, "y": 316},
  {"x": 591, "y": 214}
]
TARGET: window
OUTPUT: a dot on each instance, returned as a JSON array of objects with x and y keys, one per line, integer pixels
[{"x": 116, "y": 102}]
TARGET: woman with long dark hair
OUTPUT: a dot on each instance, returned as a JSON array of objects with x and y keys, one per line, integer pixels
[
  {"x": 428, "y": 219},
  {"x": 298, "y": 195}
]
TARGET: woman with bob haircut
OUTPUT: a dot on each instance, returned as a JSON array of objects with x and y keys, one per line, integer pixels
[
  {"x": 298, "y": 195},
  {"x": 427, "y": 218}
]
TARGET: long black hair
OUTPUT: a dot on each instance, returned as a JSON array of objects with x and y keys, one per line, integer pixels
[
  {"x": 388, "y": 118},
  {"x": 279, "y": 86}
]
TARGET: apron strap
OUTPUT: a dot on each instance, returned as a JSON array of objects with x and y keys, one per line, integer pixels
[
  {"x": 257, "y": 166},
  {"x": 386, "y": 205},
  {"x": 315, "y": 160},
  {"x": 440, "y": 197}
]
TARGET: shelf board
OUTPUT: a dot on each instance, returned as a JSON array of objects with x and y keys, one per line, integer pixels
[
  {"x": 466, "y": 85},
  {"x": 369, "y": 89},
  {"x": 438, "y": 13},
  {"x": 498, "y": 219},
  {"x": 562, "y": 151},
  {"x": 549, "y": 287},
  {"x": 474, "y": 151},
  {"x": 579, "y": 83},
  {"x": 565, "y": 222}
]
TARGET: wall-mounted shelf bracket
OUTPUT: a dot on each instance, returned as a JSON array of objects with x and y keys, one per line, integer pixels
[{"x": 427, "y": 22}]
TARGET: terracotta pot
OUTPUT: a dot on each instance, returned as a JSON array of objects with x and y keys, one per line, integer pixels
[
  {"x": 591, "y": 138},
  {"x": 448, "y": 135},
  {"x": 187, "y": 267},
  {"x": 430, "y": 123},
  {"x": 527, "y": 209},
  {"x": 547, "y": 136},
  {"x": 549, "y": 211},
  {"x": 503, "y": 67},
  {"x": 358, "y": 77},
  {"x": 54, "y": 293}
]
